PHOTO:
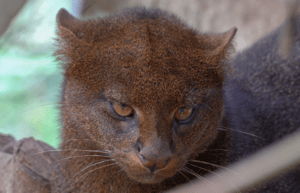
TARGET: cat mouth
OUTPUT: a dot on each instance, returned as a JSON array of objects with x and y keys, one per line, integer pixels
[{"x": 135, "y": 170}]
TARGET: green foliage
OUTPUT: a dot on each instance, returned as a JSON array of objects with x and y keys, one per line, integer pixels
[
  {"x": 29, "y": 76},
  {"x": 28, "y": 97}
]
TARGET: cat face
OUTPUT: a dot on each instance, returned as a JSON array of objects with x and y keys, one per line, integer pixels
[{"x": 146, "y": 89}]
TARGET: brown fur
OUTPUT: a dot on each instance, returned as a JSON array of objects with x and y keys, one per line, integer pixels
[{"x": 149, "y": 60}]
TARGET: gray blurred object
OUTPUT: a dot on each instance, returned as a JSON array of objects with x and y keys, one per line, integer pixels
[
  {"x": 250, "y": 171},
  {"x": 253, "y": 19},
  {"x": 23, "y": 166},
  {"x": 33, "y": 30},
  {"x": 77, "y": 7},
  {"x": 286, "y": 41},
  {"x": 8, "y": 10}
]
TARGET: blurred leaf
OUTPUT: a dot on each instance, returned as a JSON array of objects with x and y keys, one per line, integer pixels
[{"x": 30, "y": 78}]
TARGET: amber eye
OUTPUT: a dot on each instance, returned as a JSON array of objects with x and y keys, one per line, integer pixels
[
  {"x": 122, "y": 110},
  {"x": 183, "y": 113}
]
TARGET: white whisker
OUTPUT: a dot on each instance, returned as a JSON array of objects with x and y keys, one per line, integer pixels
[
  {"x": 219, "y": 150},
  {"x": 97, "y": 151},
  {"x": 229, "y": 129},
  {"x": 195, "y": 174},
  {"x": 198, "y": 176},
  {"x": 89, "y": 173},
  {"x": 218, "y": 166},
  {"x": 87, "y": 168},
  {"x": 82, "y": 156},
  {"x": 184, "y": 175},
  {"x": 214, "y": 174}
]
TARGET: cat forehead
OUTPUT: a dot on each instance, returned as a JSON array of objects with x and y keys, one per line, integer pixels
[
  {"x": 153, "y": 94},
  {"x": 147, "y": 50},
  {"x": 142, "y": 54}
]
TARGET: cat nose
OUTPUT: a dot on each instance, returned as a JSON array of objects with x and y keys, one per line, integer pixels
[{"x": 153, "y": 161}]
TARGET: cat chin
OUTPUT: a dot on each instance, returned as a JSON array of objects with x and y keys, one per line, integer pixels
[
  {"x": 149, "y": 178},
  {"x": 146, "y": 177}
]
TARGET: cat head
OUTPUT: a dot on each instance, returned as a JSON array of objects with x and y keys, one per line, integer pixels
[{"x": 142, "y": 86}]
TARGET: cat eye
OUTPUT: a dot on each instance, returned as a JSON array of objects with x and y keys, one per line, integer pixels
[
  {"x": 183, "y": 113},
  {"x": 122, "y": 110}
]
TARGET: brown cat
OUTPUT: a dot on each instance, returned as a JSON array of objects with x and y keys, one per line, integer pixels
[{"x": 142, "y": 102}]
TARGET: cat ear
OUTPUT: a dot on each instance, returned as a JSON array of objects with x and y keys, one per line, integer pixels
[
  {"x": 219, "y": 45},
  {"x": 68, "y": 25},
  {"x": 224, "y": 40}
]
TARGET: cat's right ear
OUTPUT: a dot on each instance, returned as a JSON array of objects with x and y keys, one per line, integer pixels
[{"x": 68, "y": 25}]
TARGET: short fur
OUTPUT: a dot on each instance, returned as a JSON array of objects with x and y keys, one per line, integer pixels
[
  {"x": 151, "y": 61},
  {"x": 262, "y": 98}
]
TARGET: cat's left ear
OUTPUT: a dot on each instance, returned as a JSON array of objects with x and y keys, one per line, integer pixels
[
  {"x": 224, "y": 40},
  {"x": 218, "y": 45}
]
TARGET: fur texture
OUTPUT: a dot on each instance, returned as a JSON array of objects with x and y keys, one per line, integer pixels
[
  {"x": 262, "y": 98},
  {"x": 149, "y": 60}
]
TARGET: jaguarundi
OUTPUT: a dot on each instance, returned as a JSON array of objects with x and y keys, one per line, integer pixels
[{"x": 148, "y": 103}]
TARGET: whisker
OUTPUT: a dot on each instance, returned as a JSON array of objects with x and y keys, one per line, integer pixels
[
  {"x": 56, "y": 104},
  {"x": 130, "y": 185},
  {"x": 184, "y": 175},
  {"x": 211, "y": 154},
  {"x": 113, "y": 177},
  {"x": 213, "y": 173},
  {"x": 208, "y": 106},
  {"x": 203, "y": 169},
  {"x": 97, "y": 151},
  {"x": 219, "y": 150},
  {"x": 166, "y": 68},
  {"x": 229, "y": 129},
  {"x": 89, "y": 173},
  {"x": 38, "y": 106},
  {"x": 82, "y": 156},
  {"x": 121, "y": 169},
  {"x": 218, "y": 166},
  {"x": 79, "y": 139},
  {"x": 185, "y": 169},
  {"x": 87, "y": 168}
]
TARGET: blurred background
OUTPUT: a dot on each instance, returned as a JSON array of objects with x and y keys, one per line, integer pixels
[{"x": 30, "y": 77}]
